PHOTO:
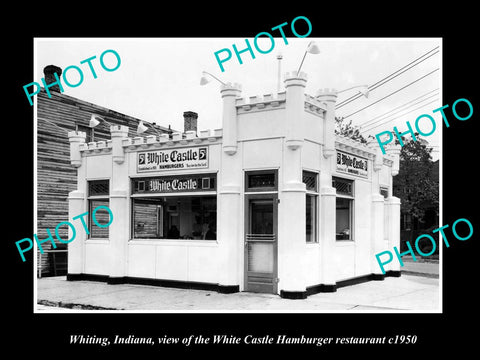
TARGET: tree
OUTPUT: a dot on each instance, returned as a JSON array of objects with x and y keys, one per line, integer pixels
[
  {"x": 415, "y": 185},
  {"x": 349, "y": 130}
]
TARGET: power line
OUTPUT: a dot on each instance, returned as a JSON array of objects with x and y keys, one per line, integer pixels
[
  {"x": 386, "y": 79},
  {"x": 396, "y": 91},
  {"x": 398, "y": 107},
  {"x": 400, "y": 116},
  {"x": 380, "y": 81},
  {"x": 404, "y": 106}
]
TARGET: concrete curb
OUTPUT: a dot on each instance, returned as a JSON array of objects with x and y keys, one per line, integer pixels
[{"x": 415, "y": 273}]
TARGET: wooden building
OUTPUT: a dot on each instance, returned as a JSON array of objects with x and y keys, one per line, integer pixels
[{"x": 55, "y": 177}]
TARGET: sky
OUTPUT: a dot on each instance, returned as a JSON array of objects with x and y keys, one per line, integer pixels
[{"x": 159, "y": 78}]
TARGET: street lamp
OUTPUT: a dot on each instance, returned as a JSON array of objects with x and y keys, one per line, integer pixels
[
  {"x": 204, "y": 80},
  {"x": 141, "y": 128},
  {"x": 312, "y": 48},
  {"x": 94, "y": 121},
  {"x": 364, "y": 90}
]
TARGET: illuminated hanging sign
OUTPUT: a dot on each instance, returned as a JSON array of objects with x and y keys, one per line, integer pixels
[
  {"x": 173, "y": 159},
  {"x": 352, "y": 164}
]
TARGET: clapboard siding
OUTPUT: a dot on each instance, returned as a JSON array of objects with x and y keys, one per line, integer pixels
[{"x": 55, "y": 176}]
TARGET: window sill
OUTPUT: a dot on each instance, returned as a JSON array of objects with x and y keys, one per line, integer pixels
[
  {"x": 173, "y": 242},
  {"x": 344, "y": 242},
  {"x": 98, "y": 241}
]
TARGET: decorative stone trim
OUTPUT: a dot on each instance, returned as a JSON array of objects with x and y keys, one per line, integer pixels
[{"x": 353, "y": 147}]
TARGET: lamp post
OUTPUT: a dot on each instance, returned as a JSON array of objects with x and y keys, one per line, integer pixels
[{"x": 279, "y": 75}]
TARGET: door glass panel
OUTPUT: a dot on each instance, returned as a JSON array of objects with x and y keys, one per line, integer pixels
[
  {"x": 261, "y": 217},
  {"x": 260, "y": 238},
  {"x": 260, "y": 257}
]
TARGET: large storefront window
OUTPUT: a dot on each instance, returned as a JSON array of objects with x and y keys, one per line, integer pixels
[
  {"x": 344, "y": 208},
  {"x": 311, "y": 201},
  {"x": 157, "y": 213},
  {"x": 175, "y": 217},
  {"x": 98, "y": 195}
]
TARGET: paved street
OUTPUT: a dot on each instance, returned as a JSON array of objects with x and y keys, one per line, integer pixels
[
  {"x": 408, "y": 292},
  {"x": 422, "y": 267}
]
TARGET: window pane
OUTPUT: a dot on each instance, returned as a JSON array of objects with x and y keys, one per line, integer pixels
[
  {"x": 384, "y": 192},
  {"x": 88, "y": 131},
  {"x": 98, "y": 187},
  {"x": 263, "y": 180},
  {"x": 261, "y": 217},
  {"x": 343, "y": 186},
  {"x": 344, "y": 219},
  {"x": 175, "y": 217},
  {"x": 101, "y": 216},
  {"x": 310, "y": 180},
  {"x": 311, "y": 218}
]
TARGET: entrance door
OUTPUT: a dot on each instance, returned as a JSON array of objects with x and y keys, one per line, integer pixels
[{"x": 261, "y": 243}]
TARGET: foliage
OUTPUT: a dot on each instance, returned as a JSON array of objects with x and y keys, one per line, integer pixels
[
  {"x": 348, "y": 130},
  {"x": 415, "y": 184}
]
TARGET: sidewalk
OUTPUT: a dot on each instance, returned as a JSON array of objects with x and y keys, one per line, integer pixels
[{"x": 411, "y": 293}]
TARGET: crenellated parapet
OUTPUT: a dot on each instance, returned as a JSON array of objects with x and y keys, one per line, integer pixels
[
  {"x": 165, "y": 141},
  {"x": 261, "y": 103},
  {"x": 151, "y": 142},
  {"x": 314, "y": 106},
  {"x": 326, "y": 95},
  {"x": 77, "y": 140},
  {"x": 276, "y": 101},
  {"x": 96, "y": 147},
  {"x": 299, "y": 78}
]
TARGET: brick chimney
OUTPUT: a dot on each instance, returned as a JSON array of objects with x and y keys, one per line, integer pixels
[
  {"x": 48, "y": 72},
  {"x": 190, "y": 121}
]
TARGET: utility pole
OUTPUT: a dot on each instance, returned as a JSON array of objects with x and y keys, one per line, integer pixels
[{"x": 279, "y": 79}]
